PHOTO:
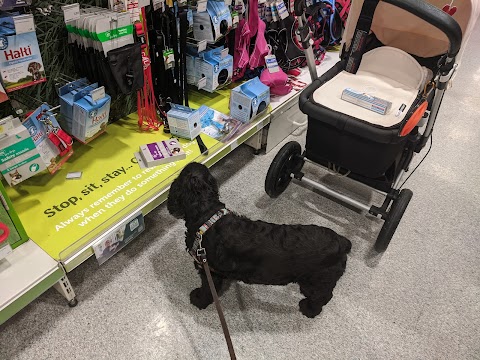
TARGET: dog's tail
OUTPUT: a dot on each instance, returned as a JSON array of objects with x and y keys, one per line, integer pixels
[{"x": 345, "y": 244}]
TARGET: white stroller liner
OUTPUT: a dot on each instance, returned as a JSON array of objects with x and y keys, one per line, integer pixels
[{"x": 385, "y": 72}]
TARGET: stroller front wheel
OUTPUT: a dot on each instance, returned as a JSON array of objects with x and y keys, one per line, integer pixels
[
  {"x": 393, "y": 219},
  {"x": 286, "y": 162}
]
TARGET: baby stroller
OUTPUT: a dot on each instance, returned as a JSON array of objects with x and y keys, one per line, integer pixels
[{"x": 403, "y": 51}]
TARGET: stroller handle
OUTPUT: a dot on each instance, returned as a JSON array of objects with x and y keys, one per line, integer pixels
[{"x": 436, "y": 17}]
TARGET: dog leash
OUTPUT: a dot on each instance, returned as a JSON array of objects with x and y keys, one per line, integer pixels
[
  {"x": 199, "y": 254},
  {"x": 226, "y": 333}
]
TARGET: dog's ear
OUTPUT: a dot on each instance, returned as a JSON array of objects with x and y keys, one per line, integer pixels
[{"x": 203, "y": 185}]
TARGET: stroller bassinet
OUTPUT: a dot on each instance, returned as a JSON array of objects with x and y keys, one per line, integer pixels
[{"x": 403, "y": 51}]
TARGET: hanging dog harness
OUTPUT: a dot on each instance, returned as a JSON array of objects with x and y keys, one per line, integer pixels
[{"x": 200, "y": 255}]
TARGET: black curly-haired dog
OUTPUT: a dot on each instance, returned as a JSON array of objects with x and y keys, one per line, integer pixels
[{"x": 256, "y": 252}]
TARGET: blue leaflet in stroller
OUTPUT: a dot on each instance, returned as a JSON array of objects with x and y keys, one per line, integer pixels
[{"x": 371, "y": 148}]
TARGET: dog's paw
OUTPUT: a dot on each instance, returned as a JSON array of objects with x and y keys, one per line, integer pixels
[
  {"x": 199, "y": 299},
  {"x": 309, "y": 310}
]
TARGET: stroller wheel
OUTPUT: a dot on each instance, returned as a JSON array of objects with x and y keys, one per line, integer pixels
[
  {"x": 393, "y": 219},
  {"x": 285, "y": 163}
]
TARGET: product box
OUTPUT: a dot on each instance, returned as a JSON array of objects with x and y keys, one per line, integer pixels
[
  {"x": 19, "y": 158},
  {"x": 249, "y": 100},
  {"x": 85, "y": 109},
  {"x": 212, "y": 24},
  {"x": 90, "y": 115},
  {"x": 184, "y": 122},
  {"x": 20, "y": 59},
  {"x": 216, "y": 66},
  {"x": 366, "y": 101},
  {"x": 162, "y": 152},
  {"x": 39, "y": 132}
]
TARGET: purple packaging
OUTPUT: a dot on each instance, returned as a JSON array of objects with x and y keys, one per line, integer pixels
[{"x": 162, "y": 152}]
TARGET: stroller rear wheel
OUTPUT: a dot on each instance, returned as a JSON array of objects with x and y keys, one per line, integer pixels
[
  {"x": 393, "y": 219},
  {"x": 286, "y": 162}
]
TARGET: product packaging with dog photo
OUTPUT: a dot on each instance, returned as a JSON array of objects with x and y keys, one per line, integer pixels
[{"x": 21, "y": 63}]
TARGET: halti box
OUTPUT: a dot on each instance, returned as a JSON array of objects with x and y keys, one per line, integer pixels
[
  {"x": 20, "y": 59},
  {"x": 162, "y": 152},
  {"x": 249, "y": 100},
  {"x": 19, "y": 157}
]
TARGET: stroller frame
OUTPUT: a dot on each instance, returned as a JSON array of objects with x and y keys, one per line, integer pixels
[{"x": 289, "y": 161}]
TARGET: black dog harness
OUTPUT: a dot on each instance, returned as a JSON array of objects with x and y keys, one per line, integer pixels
[{"x": 197, "y": 251}]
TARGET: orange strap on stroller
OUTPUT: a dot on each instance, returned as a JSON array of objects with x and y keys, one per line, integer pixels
[{"x": 414, "y": 119}]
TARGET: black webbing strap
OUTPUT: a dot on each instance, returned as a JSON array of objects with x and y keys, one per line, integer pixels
[
  {"x": 223, "y": 322},
  {"x": 182, "y": 14},
  {"x": 359, "y": 40}
]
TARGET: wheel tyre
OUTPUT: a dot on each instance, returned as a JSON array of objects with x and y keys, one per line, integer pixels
[
  {"x": 393, "y": 219},
  {"x": 285, "y": 163},
  {"x": 73, "y": 302}
]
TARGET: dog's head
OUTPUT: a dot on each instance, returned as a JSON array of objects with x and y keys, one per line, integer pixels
[{"x": 193, "y": 188}]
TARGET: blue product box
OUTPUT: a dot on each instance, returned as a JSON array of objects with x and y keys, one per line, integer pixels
[
  {"x": 249, "y": 100},
  {"x": 212, "y": 24},
  {"x": 90, "y": 115},
  {"x": 217, "y": 66},
  {"x": 185, "y": 122},
  {"x": 67, "y": 93}
]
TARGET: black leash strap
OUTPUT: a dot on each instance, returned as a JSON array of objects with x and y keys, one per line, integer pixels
[
  {"x": 218, "y": 306},
  {"x": 183, "y": 54},
  {"x": 359, "y": 40}
]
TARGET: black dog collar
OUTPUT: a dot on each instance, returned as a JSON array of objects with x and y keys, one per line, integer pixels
[{"x": 198, "y": 251}]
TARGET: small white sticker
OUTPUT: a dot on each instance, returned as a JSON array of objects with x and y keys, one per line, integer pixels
[
  {"x": 260, "y": 2},
  {"x": 225, "y": 52},
  {"x": 235, "y": 20},
  {"x": 272, "y": 65},
  {"x": 234, "y": 145},
  {"x": 74, "y": 175},
  {"x": 202, "y": 45},
  {"x": 202, "y": 83},
  {"x": 260, "y": 125},
  {"x": 228, "y": 2},
  {"x": 201, "y": 6},
  {"x": 98, "y": 94},
  {"x": 23, "y": 24},
  {"x": 71, "y": 12},
  {"x": 158, "y": 4}
]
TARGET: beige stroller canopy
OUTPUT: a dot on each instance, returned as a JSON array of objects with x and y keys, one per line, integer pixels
[{"x": 397, "y": 28}]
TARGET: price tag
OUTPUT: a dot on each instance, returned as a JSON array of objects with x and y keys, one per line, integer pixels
[
  {"x": 228, "y": 2},
  {"x": 260, "y": 2},
  {"x": 260, "y": 125},
  {"x": 202, "y": 45},
  {"x": 23, "y": 24},
  {"x": 168, "y": 59},
  {"x": 71, "y": 12},
  {"x": 282, "y": 9},
  {"x": 202, "y": 83},
  {"x": 235, "y": 18},
  {"x": 98, "y": 94},
  {"x": 224, "y": 52},
  {"x": 158, "y": 4},
  {"x": 201, "y": 6},
  {"x": 234, "y": 145},
  {"x": 143, "y": 3},
  {"x": 272, "y": 65}
]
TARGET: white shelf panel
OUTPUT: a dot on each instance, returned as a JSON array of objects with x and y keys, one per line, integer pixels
[{"x": 21, "y": 270}]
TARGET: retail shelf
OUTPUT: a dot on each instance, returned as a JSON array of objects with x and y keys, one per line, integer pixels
[{"x": 25, "y": 274}]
